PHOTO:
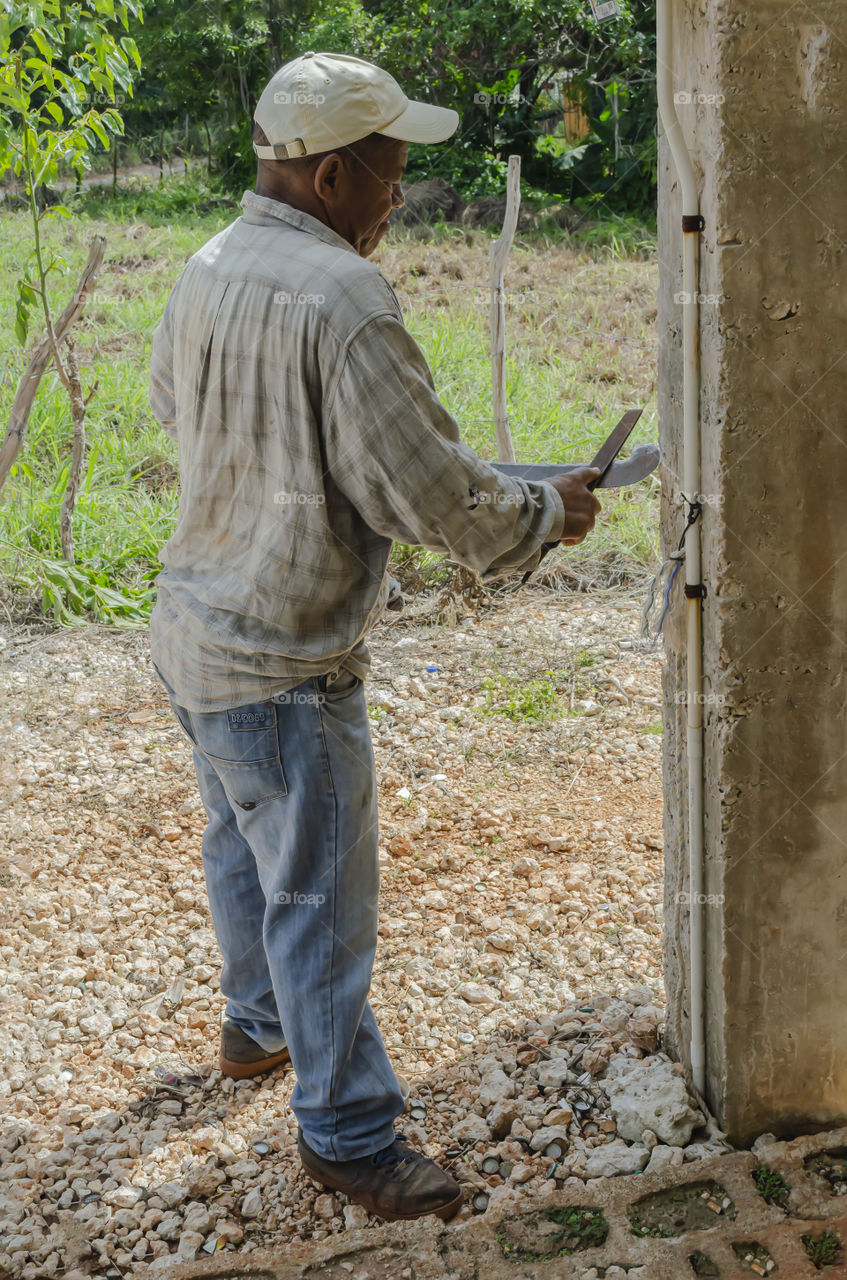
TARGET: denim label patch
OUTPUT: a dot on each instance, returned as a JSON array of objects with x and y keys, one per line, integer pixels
[{"x": 250, "y": 718}]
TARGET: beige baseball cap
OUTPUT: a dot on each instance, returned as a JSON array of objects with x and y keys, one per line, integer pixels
[{"x": 320, "y": 101}]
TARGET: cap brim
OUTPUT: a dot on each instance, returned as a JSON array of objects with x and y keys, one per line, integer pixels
[{"x": 422, "y": 122}]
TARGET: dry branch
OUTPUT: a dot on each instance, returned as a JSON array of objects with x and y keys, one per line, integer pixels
[
  {"x": 66, "y": 519},
  {"x": 42, "y": 356}
]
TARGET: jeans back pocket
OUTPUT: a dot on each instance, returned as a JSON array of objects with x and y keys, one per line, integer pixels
[{"x": 242, "y": 746}]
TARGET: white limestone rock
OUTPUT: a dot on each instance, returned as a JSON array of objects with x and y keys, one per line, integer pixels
[
  {"x": 615, "y": 1158},
  {"x": 650, "y": 1094},
  {"x": 662, "y": 1157},
  {"x": 472, "y": 1129}
]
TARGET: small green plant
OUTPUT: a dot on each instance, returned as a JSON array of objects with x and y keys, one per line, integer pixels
[
  {"x": 578, "y": 1228},
  {"x": 655, "y": 726},
  {"x": 771, "y": 1185},
  {"x": 516, "y": 699},
  {"x": 824, "y": 1250},
  {"x": 585, "y": 658},
  {"x": 75, "y": 594}
]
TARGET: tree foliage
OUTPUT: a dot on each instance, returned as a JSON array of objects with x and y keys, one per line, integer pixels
[
  {"x": 502, "y": 65},
  {"x": 64, "y": 70}
]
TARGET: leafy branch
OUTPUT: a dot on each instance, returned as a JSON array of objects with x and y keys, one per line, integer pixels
[{"x": 64, "y": 69}]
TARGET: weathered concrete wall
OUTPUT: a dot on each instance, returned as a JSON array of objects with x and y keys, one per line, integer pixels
[{"x": 767, "y": 126}]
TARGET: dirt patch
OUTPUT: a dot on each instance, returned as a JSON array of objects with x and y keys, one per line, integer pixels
[
  {"x": 754, "y": 1257},
  {"x": 695, "y": 1207},
  {"x": 551, "y": 1233}
]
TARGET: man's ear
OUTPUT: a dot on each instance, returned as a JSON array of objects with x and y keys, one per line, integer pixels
[{"x": 326, "y": 177}]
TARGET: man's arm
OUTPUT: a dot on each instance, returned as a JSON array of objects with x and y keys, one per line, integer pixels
[
  {"x": 395, "y": 452},
  {"x": 162, "y": 400}
]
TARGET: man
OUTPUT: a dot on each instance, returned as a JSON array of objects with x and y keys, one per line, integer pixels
[{"x": 310, "y": 436}]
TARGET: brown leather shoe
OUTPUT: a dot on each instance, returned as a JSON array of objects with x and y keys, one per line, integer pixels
[
  {"x": 241, "y": 1057},
  {"x": 396, "y": 1183}
]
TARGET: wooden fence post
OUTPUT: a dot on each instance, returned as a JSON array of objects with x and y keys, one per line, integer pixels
[{"x": 497, "y": 255}]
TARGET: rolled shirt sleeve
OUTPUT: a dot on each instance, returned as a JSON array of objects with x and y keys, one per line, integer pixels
[{"x": 396, "y": 454}]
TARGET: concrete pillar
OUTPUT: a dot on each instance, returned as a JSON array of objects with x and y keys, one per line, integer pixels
[{"x": 767, "y": 127}]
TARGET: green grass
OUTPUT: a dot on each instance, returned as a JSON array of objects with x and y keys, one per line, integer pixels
[{"x": 581, "y": 347}]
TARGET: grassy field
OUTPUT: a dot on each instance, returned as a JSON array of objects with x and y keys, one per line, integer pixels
[{"x": 581, "y": 348}]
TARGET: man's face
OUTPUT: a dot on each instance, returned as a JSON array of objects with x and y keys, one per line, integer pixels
[{"x": 369, "y": 190}]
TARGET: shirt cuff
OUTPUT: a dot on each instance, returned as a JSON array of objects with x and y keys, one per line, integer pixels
[{"x": 557, "y": 525}]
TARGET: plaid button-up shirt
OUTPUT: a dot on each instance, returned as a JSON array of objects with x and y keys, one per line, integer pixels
[{"x": 309, "y": 435}]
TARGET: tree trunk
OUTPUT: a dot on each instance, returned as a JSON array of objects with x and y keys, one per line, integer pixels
[
  {"x": 66, "y": 526},
  {"x": 41, "y": 357}
]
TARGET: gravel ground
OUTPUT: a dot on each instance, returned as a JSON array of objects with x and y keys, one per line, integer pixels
[{"x": 520, "y": 788}]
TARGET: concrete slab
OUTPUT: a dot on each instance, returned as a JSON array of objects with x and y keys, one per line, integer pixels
[{"x": 519, "y": 1240}]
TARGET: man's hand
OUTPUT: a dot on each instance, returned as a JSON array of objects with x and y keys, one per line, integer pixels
[{"x": 580, "y": 505}]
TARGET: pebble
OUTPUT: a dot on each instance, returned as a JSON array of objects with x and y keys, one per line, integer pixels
[
  {"x": 472, "y": 1129},
  {"x": 251, "y": 1205},
  {"x": 614, "y": 1158},
  {"x": 355, "y": 1215},
  {"x": 662, "y": 1157},
  {"x": 501, "y": 1117}
]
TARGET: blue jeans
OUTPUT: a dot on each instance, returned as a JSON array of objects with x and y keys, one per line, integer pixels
[{"x": 291, "y": 863}]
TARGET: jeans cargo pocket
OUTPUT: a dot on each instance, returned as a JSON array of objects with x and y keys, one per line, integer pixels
[{"x": 242, "y": 747}]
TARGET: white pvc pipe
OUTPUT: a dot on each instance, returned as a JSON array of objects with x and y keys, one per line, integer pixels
[{"x": 691, "y": 481}]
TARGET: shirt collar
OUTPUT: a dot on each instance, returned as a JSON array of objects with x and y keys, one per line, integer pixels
[{"x": 257, "y": 207}]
